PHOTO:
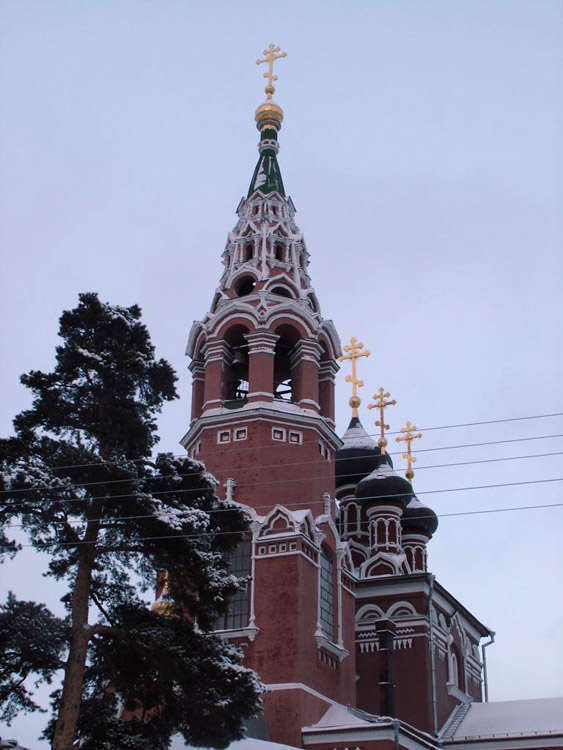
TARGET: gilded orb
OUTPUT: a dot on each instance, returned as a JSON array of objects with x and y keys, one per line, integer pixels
[
  {"x": 354, "y": 402},
  {"x": 382, "y": 442},
  {"x": 269, "y": 111}
]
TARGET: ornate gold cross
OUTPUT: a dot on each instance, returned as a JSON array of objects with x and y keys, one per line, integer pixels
[
  {"x": 381, "y": 403},
  {"x": 408, "y": 437},
  {"x": 354, "y": 348},
  {"x": 270, "y": 55}
]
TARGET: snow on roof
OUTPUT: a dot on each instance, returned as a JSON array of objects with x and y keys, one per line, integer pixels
[
  {"x": 510, "y": 718},
  {"x": 357, "y": 437},
  {"x": 249, "y": 743},
  {"x": 337, "y": 716}
]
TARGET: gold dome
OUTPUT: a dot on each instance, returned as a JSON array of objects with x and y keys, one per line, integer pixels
[{"x": 269, "y": 112}]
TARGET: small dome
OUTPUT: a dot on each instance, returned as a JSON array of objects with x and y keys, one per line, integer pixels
[
  {"x": 384, "y": 485},
  {"x": 269, "y": 113},
  {"x": 419, "y": 517},
  {"x": 358, "y": 457}
]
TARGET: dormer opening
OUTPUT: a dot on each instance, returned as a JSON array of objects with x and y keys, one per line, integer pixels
[
  {"x": 279, "y": 251},
  {"x": 245, "y": 286},
  {"x": 282, "y": 291},
  {"x": 235, "y": 374},
  {"x": 248, "y": 251},
  {"x": 283, "y": 381}
]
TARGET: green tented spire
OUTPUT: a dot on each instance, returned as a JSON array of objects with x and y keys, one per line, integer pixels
[{"x": 267, "y": 176}]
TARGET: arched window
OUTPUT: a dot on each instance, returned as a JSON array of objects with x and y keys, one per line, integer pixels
[
  {"x": 235, "y": 375},
  {"x": 245, "y": 286},
  {"x": 238, "y": 612},
  {"x": 282, "y": 291},
  {"x": 283, "y": 382},
  {"x": 455, "y": 668},
  {"x": 279, "y": 251},
  {"x": 327, "y": 595},
  {"x": 352, "y": 525},
  {"x": 249, "y": 251}
]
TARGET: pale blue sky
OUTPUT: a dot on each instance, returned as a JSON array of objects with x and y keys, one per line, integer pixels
[{"x": 422, "y": 147}]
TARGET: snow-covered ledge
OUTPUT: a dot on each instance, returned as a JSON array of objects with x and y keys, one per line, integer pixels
[
  {"x": 458, "y": 694},
  {"x": 250, "y": 632},
  {"x": 332, "y": 648}
]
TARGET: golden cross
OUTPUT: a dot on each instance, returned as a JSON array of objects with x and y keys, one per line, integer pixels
[
  {"x": 354, "y": 348},
  {"x": 408, "y": 437},
  {"x": 270, "y": 55},
  {"x": 381, "y": 403}
]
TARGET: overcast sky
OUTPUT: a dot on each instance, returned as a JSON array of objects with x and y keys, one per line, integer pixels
[{"x": 422, "y": 148}]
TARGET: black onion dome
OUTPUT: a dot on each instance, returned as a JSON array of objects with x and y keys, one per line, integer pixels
[
  {"x": 358, "y": 457},
  {"x": 419, "y": 517},
  {"x": 384, "y": 485}
]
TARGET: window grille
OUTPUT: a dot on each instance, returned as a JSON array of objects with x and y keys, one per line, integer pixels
[
  {"x": 327, "y": 595},
  {"x": 237, "y": 614}
]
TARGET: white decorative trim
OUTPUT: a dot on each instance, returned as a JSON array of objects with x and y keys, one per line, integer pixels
[
  {"x": 323, "y": 642},
  {"x": 249, "y": 632},
  {"x": 291, "y": 414}
]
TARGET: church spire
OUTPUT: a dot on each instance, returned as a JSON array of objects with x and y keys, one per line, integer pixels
[{"x": 269, "y": 116}]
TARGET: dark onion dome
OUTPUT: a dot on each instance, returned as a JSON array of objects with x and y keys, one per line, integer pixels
[
  {"x": 419, "y": 517},
  {"x": 358, "y": 457},
  {"x": 384, "y": 486}
]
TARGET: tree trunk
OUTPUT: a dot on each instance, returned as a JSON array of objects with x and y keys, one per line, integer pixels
[{"x": 67, "y": 719}]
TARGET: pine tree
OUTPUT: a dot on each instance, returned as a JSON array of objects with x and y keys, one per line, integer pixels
[{"x": 79, "y": 475}]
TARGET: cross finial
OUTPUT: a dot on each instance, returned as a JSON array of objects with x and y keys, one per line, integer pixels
[
  {"x": 354, "y": 348},
  {"x": 381, "y": 403},
  {"x": 270, "y": 55},
  {"x": 408, "y": 437}
]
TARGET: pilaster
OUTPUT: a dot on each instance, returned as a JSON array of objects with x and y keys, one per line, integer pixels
[
  {"x": 261, "y": 351},
  {"x": 217, "y": 356},
  {"x": 305, "y": 373},
  {"x": 197, "y": 368}
]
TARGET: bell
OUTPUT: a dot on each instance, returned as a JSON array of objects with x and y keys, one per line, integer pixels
[{"x": 239, "y": 360}]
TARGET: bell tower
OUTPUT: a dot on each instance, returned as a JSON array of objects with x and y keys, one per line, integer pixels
[
  {"x": 263, "y": 357},
  {"x": 263, "y": 361}
]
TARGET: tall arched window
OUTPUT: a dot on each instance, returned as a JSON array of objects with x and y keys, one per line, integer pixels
[
  {"x": 327, "y": 595},
  {"x": 238, "y": 612},
  {"x": 455, "y": 668}
]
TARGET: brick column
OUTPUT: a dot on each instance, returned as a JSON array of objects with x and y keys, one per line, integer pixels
[
  {"x": 217, "y": 357},
  {"x": 305, "y": 374},
  {"x": 261, "y": 351},
  {"x": 327, "y": 373},
  {"x": 197, "y": 368}
]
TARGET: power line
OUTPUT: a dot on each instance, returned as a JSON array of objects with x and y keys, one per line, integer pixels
[
  {"x": 490, "y": 421},
  {"x": 159, "y": 493},
  {"x": 259, "y": 507},
  {"x": 310, "y": 442},
  {"x": 318, "y": 462},
  {"x": 232, "y": 533}
]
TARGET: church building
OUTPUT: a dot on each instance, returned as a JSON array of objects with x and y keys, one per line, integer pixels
[{"x": 358, "y": 644}]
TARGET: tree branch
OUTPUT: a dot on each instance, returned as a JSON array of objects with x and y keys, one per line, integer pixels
[{"x": 94, "y": 630}]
